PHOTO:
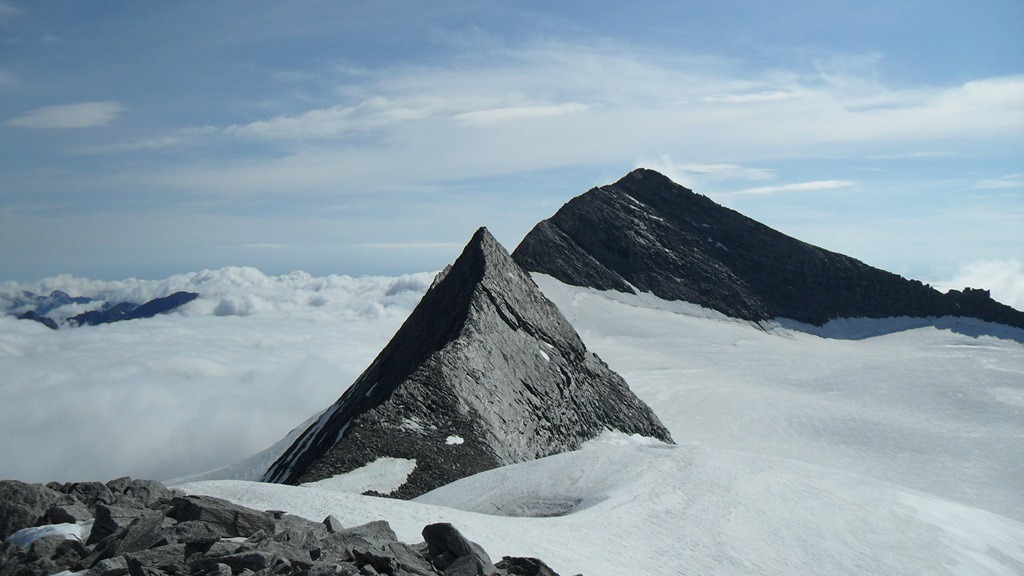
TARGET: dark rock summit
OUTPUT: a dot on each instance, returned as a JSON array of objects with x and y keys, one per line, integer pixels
[
  {"x": 650, "y": 234},
  {"x": 485, "y": 372},
  {"x": 164, "y": 532}
]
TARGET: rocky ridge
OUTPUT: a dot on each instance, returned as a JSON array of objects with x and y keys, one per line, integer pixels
[
  {"x": 141, "y": 528},
  {"x": 31, "y": 306},
  {"x": 647, "y": 233},
  {"x": 485, "y": 372}
]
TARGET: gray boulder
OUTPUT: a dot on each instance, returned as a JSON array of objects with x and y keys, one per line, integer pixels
[
  {"x": 68, "y": 513},
  {"x": 143, "y": 533},
  {"x": 451, "y": 552},
  {"x": 25, "y": 505},
  {"x": 111, "y": 518},
  {"x": 227, "y": 519},
  {"x": 148, "y": 493}
]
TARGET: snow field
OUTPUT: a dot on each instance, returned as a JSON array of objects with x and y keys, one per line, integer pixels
[{"x": 891, "y": 454}]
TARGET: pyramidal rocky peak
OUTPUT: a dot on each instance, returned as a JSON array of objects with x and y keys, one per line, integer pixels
[
  {"x": 485, "y": 372},
  {"x": 647, "y": 233}
]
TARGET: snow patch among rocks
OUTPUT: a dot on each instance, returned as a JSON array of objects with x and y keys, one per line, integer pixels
[
  {"x": 383, "y": 476},
  {"x": 78, "y": 531}
]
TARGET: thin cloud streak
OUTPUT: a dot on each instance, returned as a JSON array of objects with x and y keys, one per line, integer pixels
[
  {"x": 81, "y": 115},
  {"x": 798, "y": 187},
  {"x": 513, "y": 113}
]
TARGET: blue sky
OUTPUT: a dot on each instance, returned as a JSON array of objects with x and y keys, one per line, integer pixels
[{"x": 145, "y": 139}]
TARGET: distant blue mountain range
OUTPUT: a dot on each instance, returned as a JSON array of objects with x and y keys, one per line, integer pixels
[{"x": 31, "y": 306}]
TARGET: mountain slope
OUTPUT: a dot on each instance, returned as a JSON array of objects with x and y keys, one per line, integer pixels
[
  {"x": 485, "y": 372},
  {"x": 650, "y": 234}
]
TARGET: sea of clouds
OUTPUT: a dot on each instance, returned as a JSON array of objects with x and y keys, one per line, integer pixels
[
  {"x": 211, "y": 383},
  {"x": 219, "y": 379}
]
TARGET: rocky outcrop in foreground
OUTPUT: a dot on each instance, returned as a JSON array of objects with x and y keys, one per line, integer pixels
[
  {"x": 485, "y": 372},
  {"x": 650, "y": 234},
  {"x": 141, "y": 528}
]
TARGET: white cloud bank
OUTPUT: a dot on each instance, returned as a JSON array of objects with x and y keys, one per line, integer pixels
[
  {"x": 187, "y": 391},
  {"x": 81, "y": 115}
]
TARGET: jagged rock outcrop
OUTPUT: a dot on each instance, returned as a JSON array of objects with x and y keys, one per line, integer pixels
[
  {"x": 648, "y": 233},
  {"x": 171, "y": 533},
  {"x": 485, "y": 372}
]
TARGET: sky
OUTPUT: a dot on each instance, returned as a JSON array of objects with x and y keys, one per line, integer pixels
[{"x": 142, "y": 140}]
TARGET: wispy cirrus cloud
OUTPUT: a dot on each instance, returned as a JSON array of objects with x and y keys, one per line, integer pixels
[
  {"x": 374, "y": 113},
  {"x": 514, "y": 113},
  {"x": 80, "y": 115},
  {"x": 1009, "y": 181},
  {"x": 746, "y": 98},
  {"x": 555, "y": 105}
]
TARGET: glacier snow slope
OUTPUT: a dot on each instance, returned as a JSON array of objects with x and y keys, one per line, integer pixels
[{"x": 897, "y": 453}]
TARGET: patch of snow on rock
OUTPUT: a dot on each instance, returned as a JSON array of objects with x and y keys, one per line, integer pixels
[{"x": 384, "y": 476}]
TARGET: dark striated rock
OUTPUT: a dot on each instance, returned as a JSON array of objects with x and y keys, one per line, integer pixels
[
  {"x": 149, "y": 493},
  {"x": 68, "y": 513},
  {"x": 143, "y": 533},
  {"x": 110, "y": 567},
  {"x": 227, "y": 519},
  {"x": 485, "y": 372},
  {"x": 195, "y": 533},
  {"x": 453, "y": 554},
  {"x": 111, "y": 518},
  {"x": 170, "y": 558},
  {"x": 88, "y": 493},
  {"x": 648, "y": 233},
  {"x": 333, "y": 524},
  {"x": 515, "y": 566}
]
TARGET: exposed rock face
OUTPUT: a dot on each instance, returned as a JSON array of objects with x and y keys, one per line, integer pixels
[
  {"x": 485, "y": 372},
  {"x": 170, "y": 533},
  {"x": 648, "y": 233}
]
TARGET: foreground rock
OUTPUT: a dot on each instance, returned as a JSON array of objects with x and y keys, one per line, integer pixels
[
  {"x": 157, "y": 531},
  {"x": 485, "y": 372},
  {"x": 648, "y": 233}
]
